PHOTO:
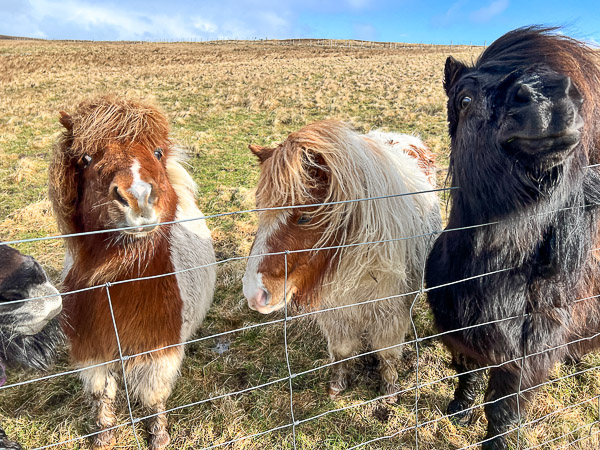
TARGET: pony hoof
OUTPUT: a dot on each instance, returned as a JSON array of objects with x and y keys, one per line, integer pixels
[
  {"x": 334, "y": 390},
  {"x": 6, "y": 443},
  {"x": 498, "y": 443},
  {"x": 338, "y": 383},
  {"x": 390, "y": 390},
  {"x": 159, "y": 440},
  {"x": 106, "y": 440},
  {"x": 458, "y": 413},
  {"x": 391, "y": 393}
]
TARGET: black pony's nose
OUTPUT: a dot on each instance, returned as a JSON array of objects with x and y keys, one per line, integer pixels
[
  {"x": 556, "y": 87},
  {"x": 524, "y": 93}
]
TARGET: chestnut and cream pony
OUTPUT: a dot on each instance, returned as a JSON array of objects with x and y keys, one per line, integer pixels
[
  {"x": 328, "y": 162},
  {"x": 115, "y": 167}
]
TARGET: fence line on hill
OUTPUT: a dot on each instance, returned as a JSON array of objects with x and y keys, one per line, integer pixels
[
  {"x": 416, "y": 388},
  {"x": 354, "y": 44}
]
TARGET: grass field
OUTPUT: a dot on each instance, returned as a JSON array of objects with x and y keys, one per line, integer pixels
[{"x": 219, "y": 98}]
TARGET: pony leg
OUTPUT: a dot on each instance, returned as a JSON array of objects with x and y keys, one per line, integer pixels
[
  {"x": 340, "y": 372},
  {"x": 389, "y": 374},
  {"x": 503, "y": 413},
  {"x": 469, "y": 385},
  {"x": 386, "y": 334},
  {"x": 343, "y": 341},
  {"x": 101, "y": 384},
  {"x": 151, "y": 380},
  {"x": 158, "y": 428}
]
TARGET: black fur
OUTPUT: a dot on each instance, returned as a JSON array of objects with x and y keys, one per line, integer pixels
[
  {"x": 519, "y": 151},
  {"x": 37, "y": 352},
  {"x": 19, "y": 274}
]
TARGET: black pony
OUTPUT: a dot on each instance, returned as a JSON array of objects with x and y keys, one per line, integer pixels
[
  {"x": 29, "y": 330},
  {"x": 524, "y": 128}
]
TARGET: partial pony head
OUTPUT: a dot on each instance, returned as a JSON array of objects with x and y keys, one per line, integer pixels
[{"x": 530, "y": 103}]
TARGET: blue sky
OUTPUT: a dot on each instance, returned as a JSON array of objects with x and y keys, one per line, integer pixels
[{"x": 438, "y": 22}]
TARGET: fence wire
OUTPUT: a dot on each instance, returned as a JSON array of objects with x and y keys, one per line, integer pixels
[{"x": 417, "y": 340}]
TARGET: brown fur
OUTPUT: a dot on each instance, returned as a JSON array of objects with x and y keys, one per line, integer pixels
[
  {"x": 91, "y": 176},
  {"x": 426, "y": 160}
]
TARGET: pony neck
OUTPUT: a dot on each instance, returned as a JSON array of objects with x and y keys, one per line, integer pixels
[{"x": 102, "y": 260}]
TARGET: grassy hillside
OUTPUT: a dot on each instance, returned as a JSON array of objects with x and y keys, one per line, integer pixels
[{"x": 219, "y": 99}]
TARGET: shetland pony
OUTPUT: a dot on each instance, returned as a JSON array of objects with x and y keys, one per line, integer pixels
[
  {"x": 524, "y": 123},
  {"x": 29, "y": 334},
  {"x": 115, "y": 167},
  {"x": 329, "y": 162}
]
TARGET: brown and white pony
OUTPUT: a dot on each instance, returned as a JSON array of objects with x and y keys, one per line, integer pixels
[
  {"x": 328, "y": 162},
  {"x": 114, "y": 167}
]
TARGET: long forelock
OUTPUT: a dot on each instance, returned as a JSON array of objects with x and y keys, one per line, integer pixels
[
  {"x": 97, "y": 123},
  {"x": 106, "y": 120}
]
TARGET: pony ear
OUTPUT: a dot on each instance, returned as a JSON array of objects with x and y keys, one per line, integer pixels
[
  {"x": 262, "y": 153},
  {"x": 453, "y": 70},
  {"x": 66, "y": 120}
]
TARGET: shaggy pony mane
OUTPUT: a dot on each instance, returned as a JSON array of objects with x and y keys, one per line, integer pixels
[{"x": 328, "y": 162}]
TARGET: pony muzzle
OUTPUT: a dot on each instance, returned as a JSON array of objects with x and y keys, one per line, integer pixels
[
  {"x": 138, "y": 212},
  {"x": 262, "y": 301},
  {"x": 31, "y": 316}
]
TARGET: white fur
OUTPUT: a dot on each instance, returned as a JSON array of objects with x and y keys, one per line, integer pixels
[
  {"x": 139, "y": 188},
  {"x": 29, "y": 317},
  {"x": 150, "y": 378},
  {"x": 191, "y": 246},
  {"x": 381, "y": 270},
  {"x": 270, "y": 222}
]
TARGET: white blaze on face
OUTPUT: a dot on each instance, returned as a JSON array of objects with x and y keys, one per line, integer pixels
[
  {"x": 254, "y": 289},
  {"x": 140, "y": 189},
  {"x": 145, "y": 214}
]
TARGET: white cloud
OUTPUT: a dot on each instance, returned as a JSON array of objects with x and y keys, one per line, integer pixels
[
  {"x": 204, "y": 26},
  {"x": 488, "y": 12},
  {"x": 71, "y": 19}
]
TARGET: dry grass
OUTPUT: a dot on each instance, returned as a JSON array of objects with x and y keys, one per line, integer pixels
[{"x": 219, "y": 98}]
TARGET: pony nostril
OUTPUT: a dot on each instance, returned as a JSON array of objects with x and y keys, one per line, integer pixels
[
  {"x": 116, "y": 195},
  {"x": 153, "y": 193},
  {"x": 262, "y": 297},
  {"x": 524, "y": 93}
]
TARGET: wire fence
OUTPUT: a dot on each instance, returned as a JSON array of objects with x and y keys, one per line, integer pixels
[{"x": 579, "y": 434}]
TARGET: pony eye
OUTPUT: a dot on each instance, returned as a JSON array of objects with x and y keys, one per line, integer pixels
[
  {"x": 85, "y": 161},
  {"x": 303, "y": 219},
  {"x": 158, "y": 153},
  {"x": 465, "y": 102}
]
